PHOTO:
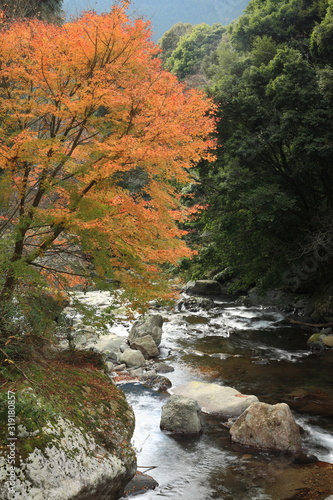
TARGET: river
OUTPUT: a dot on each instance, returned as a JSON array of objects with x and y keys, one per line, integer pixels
[{"x": 248, "y": 349}]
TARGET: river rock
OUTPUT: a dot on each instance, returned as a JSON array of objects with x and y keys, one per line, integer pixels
[
  {"x": 328, "y": 341},
  {"x": 147, "y": 346},
  {"x": 268, "y": 427},
  {"x": 181, "y": 415},
  {"x": 152, "y": 380},
  {"x": 111, "y": 346},
  {"x": 216, "y": 399},
  {"x": 109, "y": 366},
  {"x": 112, "y": 343},
  {"x": 132, "y": 358},
  {"x": 203, "y": 287},
  {"x": 317, "y": 346},
  {"x": 147, "y": 325},
  {"x": 119, "y": 368},
  {"x": 315, "y": 337},
  {"x": 135, "y": 372},
  {"x": 77, "y": 340},
  {"x": 195, "y": 304},
  {"x": 139, "y": 484},
  {"x": 162, "y": 367}
]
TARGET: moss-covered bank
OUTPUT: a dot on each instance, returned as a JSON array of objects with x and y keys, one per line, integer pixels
[{"x": 72, "y": 428}]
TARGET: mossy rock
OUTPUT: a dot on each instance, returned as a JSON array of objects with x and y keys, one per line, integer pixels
[{"x": 73, "y": 429}]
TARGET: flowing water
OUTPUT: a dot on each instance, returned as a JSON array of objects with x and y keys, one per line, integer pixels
[{"x": 248, "y": 349}]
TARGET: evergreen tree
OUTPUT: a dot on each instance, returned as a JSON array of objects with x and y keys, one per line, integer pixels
[{"x": 270, "y": 193}]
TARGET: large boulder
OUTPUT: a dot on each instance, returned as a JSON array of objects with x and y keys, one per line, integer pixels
[
  {"x": 72, "y": 466},
  {"x": 268, "y": 427},
  {"x": 132, "y": 358},
  {"x": 147, "y": 346},
  {"x": 72, "y": 438},
  {"x": 216, "y": 399},
  {"x": 147, "y": 325},
  {"x": 203, "y": 287},
  {"x": 181, "y": 415}
]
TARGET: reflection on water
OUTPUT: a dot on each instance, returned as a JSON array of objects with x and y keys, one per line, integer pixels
[{"x": 246, "y": 349}]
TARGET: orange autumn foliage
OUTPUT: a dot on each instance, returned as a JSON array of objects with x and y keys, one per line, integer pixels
[{"x": 95, "y": 141}]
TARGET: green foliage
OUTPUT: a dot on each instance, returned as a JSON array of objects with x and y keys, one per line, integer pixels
[
  {"x": 322, "y": 38},
  {"x": 270, "y": 192},
  {"x": 286, "y": 21},
  {"x": 193, "y": 48},
  {"x": 170, "y": 39}
]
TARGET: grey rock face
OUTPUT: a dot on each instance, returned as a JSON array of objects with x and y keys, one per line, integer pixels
[
  {"x": 74, "y": 467},
  {"x": 268, "y": 427},
  {"x": 181, "y": 415}
]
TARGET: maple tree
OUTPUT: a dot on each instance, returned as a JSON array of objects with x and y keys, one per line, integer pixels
[{"x": 95, "y": 141}]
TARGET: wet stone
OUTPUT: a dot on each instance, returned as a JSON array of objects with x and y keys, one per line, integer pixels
[
  {"x": 317, "y": 346},
  {"x": 146, "y": 346},
  {"x": 181, "y": 415},
  {"x": 132, "y": 358},
  {"x": 140, "y": 483},
  {"x": 119, "y": 368},
  {"x": 328, "y": 341},
  {"x": 155, "y": 382},
  {"x": 195, "y": 304},
  {"x": 268, "y": 427},
  {"x": 216, "y": 399},
  {"x": 162, "y": 367}
]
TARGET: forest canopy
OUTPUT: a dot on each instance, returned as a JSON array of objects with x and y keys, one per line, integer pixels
[{"x": 270, "y": 191}]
